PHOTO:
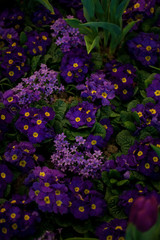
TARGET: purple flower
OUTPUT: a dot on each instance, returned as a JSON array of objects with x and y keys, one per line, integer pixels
[
  {"x": 144, "y": 213},
  {"x": 94, "y": 142}
]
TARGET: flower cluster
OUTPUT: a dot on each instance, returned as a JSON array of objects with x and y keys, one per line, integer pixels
[
  {"x": 42, "y": 16},
  {"x": 37, "y": 43},
  {"x": 22, "y": 155},
  {"x": 53, "y": 195},
  {"x": 66, "y": 36},
  {"x": 97, "y": 87},
  {"x": 82, "y": 114},
  {"x": 39, "y": 86},
  {"x": 145, "y": 48},
  {"x": 75, "y": 65},
  {"x": 12, "y": 18},
  {"x": 16, "y": 219},
  {"x": 8, "y": 37},
  {"x": 141, "y": 158},
  {"x": 147, "y": 114},
  {"x": 32, "y": 122},
  {"x": 14, "y": 63},
  {"x": 113, "y": 230},
  {"x": 138, "y": 10},
  {"x": 6, "y": 177},
  {"x": 74, "y": 158},
  {"x": 122, "y": 76},
  {"x": 153, "y": 90}
]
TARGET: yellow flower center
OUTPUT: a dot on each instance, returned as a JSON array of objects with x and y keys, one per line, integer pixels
[
  {"x": 2, "y": 220},
  {"x": 37, "y": 192},
  {"x": 155, "y": 159},
  {"x": 104, "y": 94},
  {"x": 93, "y": 142},
  {"x": 69, "y": 74},
  {"x": 124, "y": 80},
  {"x": 39, "y": 122},
  {"x": 114, "y": 70},
  {"x": 105, "y": 126},
  {"x": 14, "y": 157},
  {"x": 22, "y": 163},
  {"x": 40, "y": 48},
  {"x": 25, "y": 127},
  {"x": 44, "y": 38},
  {"x": 42, "y": 174},
  {"x": 59, "y": 203},
  {"x": 81, "y": 209},
  {"x": 140, "y": 153},
  {"x": 115, "y": 86},
  {"x": 10, "y": 99},
  {"x": 139, "y": 46},
  {"x": 140, "y": 114},
  {"x": 4, "y": 230},
  {"x": 153, "y": 111},
  {"x": 14, "y": 226},
  {"x": 93, "y": 206},
  {"x": 89, "y": 119},
  {"x": 152, "y": 10},
  {"x": 137, "y": 5},
  {"x": 13, "y": 215},
  {"x": 35, "y": 134},
  {"x": 35, "y": 157},
  {"x": 9, "y": 36},
  {"x": 76, "y": 189},
  {"x": 47, "y": 200},
  {"x": 86, "y": 191},
  {"x": 148, "y": 58},
  {"x": 27, "y": 114},
  {"x": 19, "y": 54},
  {"x": 130, "y": 200},
  {"x": 2, "y": 210},
  {"x": 10, "y": 61},
  {"x": 109, "y": 237},
  {"x": 124, "y": 91},
  {"x": 157, "y": 92},
  {"x": 11, "y": 73},
  {"x": 148, "y": 48},
  {"x": 34, "y": 51},
  {"x": 129, "y": 71},
  {"x": 57, "y": 192},
  {"x": 26, "y": 217},
  {"x": 77, "y": 119},
  {"x": 147, "y": 165},
  {"x": 19, "y": 17},
  {"x": 75, "y": 65},
  {"x": 47, "y": 114},
  {"x": 3, "y": 175},
  {"x": 118, "y": 227}
]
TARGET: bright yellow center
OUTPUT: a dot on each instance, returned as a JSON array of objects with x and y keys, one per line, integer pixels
[
  {"x": 13, "y": 215},
  {"x": 14, "y": 226},
  {"x": 11, "y": 73},
  {"x": 37, "y": 192},
  {"x": 93, "y": 206},
  {"x": 124, "y": 91},
  {"x": 118, "y": 227},
  {"x": 57, "y": 192},
  {"x": 35, "y": 134},
  {"x": 140, "y": 153},
  {"x": 20, "y": 54},
  {"x": 58, "y": 203},
  {"x": 147, "y": 165},
  {"x": 10, "y": 61},
  {"x": 81, "y": 209},
  {"x": 27, "y": 114},
  {"x": 109, "y": 237},
  {"x": 153, "y": 111},
  {"x": 47, "y": 200},
  {"x": 152, "y": 10},
  {"x": 40, "y": 48},
  {"x": 139, "y": 46},
  {"x": 3, "y": 175},
  {"x": 39, "y": 122},
  {"x": 124, "y": 80},
  {"x": 14, "y": 157},
  {"x": 105, "y": 126},
  {"x": 77, "y": 119},
  {"x": 157, "y": 92},
  {"x": 69, "y": 74},
  {"x": 104, "y": 94},
  {"x": 44, "y": 38},
  {"x": 89, "y": 119},
  {"x": 155, "y": 159},
  {"x": 22, "y": 163},
  {"x": 42, "y": 174},
  {"x": 130, "y": 200},
  {"x": 9, "y": 36},
  {"x": 86, "y": 191},
  {"x": 137, "y": 5},
  {"x": 4, "y": 230},
  {"x": 148, "y": 58},
  {"x": 129, "y": 71},
  {"x": 76, "y": 189},
  {"x": 75, "y": 65},
  {"x": 10, "y": 99},
  {"x": 47, "y": 114},
  {"x": 115, "y": 86},
  {"x": 114, "y": 70},
  {"x": 93, "y": 142},
  {"x": 25, "y": 127},
  {"x": 148, "y": 48},
  {"x": 140, "y": 114}
]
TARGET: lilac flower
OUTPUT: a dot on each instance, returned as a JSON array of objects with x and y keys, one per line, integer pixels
[
  {"x": 66, "y": 36},
  {"x": 41, "y": 85},
  {"x": 72, "y": 158}
]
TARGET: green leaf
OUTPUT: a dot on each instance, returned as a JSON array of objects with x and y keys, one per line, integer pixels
[
  {"x": 75, "y": 23},
  {"x": 119, "y": 11},
  {"x": 126, "y": 116},
  {"x": 89, "y": 9},
  {"x": 98, "y": 129},
  {"x": 113, "y": 7},
  {"x": 23, "y": 38},
  {"x": 99, "y": 12},
  {"x": 114, "y": 209},
  {"x": 105, "y": 177},
  {"x": 84, "y": 227},
  {"x": 125, "y": 140},
  {"x": 34, "y": 62},
  {"x": 2, "y": 200},
  {"x": 135, "y": 175},
  {"x": 46, "y": 4},
  {"x": 156, "y": 149},
  {"x": 147, "y": 100},
  {"x": 149, "y": 80},
  {"x": 111, "y": 27},
  {"x": 60, "y": 107},
  {"x": 127, "y": 29},
  {"x": 122, "y": 183},
  {"x": 130, "y": 126},
  {"x": 94, "y": 44},
  {"x": 132, "y": 104}
]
